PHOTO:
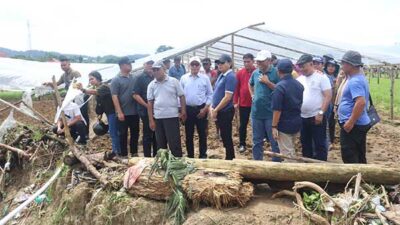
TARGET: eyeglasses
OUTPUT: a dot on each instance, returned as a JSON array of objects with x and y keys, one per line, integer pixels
[
  {"x": 195, "y": 64},
  {"x": 221, "y": 63}
]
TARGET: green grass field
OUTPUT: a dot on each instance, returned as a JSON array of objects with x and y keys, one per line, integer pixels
[
  {"x": 381, "y": 94},
  {"x": 11, "y": 95}
]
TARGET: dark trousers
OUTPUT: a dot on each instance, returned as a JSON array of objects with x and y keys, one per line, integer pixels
[
  {"x": 353, "y": 144},
  {"x": 201, "y": 124},
  {"x": 332, "y": 127},
  {"x": 85, "y": 112},
  {"x": 168, "y": 133},
  {"x": 149, "y": 138},
  {"x": 244, "y": 114},
  {"x": 78, "y": 129},
  {"x": 312, "y": 133},
  {"x": 131, "y": 122},
  {"x": 224, "y": 121}
]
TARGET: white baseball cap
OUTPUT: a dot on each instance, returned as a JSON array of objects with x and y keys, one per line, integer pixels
[
  {"x": 263, "y": 55},
  {"x": 194, "y": 59}
]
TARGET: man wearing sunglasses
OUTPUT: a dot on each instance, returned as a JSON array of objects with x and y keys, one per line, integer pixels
[
  {"x": 317, "y": 96},
  {"x": 222, "y": 110},
  {"x": 163, "y": 109},
  {"x": 198, "y": 95}
]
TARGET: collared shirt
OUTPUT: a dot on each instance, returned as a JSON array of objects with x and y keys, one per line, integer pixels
[
  {"x": 71, "y": 111},
  {"x": 313, "y": 95},
  {"x": 261, "y": 106},
  {"x": 122, "y": 86},
  {"x": 177, "y": 72},
  {"x": 140, "y": 88},
  {"x": 165, "y": 95},
  {"x": 67, "y": 77},
  {"x": 357, "y": 86},
  {"x": 225, "y": 83},
  {"x": 242, "y": 93},
  {"x": 287, "y": 97},
  {"x": 197, "y": 89}
]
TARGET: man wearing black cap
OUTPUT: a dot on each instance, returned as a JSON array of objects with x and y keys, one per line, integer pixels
[
  {"x": 140, "y": 95},
  {"x": 352, "y": 111},
  {"x": 125, "y": 107},
  {"x": 222, "y": 104},
  {"x": 287, "y": 98},
  {"x": 317, "y": 96},
  {"x": 178, "y": 69}
]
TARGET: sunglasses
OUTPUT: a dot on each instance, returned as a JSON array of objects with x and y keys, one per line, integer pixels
[
  {"x": 195, "y": 64},
  {"x": 205, "y": 64},
  {"x": 221, "y": 63}
]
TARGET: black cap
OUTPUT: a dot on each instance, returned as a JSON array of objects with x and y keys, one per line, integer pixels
[
  {"x": 224, "y": 58},
  {"x": 125, "y": 60},
  {"x": 306, "y": 58},
  {"x": 285, "y": 65}
]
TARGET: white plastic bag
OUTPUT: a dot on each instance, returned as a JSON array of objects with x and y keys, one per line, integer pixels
[{"x": 7, "y": 124}]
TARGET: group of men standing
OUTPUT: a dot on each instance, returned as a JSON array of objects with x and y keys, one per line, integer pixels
[{"x": 282, "y": 99}]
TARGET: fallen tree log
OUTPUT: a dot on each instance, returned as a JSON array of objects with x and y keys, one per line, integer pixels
[
  {"x": 295, "y": 158},
  {"x": 315, "y": 172}
]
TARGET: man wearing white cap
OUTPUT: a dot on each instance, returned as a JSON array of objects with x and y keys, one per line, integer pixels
[
  {"x": 261, "y": 84},
  {"x": 198, "y": 94},
  {"x": 163, "y": 109}
]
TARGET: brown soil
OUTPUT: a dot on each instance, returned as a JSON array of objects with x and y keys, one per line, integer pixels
[{"x": 382, "y": 148}]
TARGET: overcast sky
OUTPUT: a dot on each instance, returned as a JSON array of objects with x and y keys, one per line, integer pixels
[{"x": 123, "y": 27}]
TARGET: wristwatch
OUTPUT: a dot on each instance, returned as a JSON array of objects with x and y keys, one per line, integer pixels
[{"x": 320, "y": 112}]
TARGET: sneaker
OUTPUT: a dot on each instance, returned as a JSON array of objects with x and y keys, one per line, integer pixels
[{"x": 242, "y": 149}]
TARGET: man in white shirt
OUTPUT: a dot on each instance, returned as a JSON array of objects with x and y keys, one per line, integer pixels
[
  {"x": 75, "y": 122},
  {"x": 316, "y": 98},
  {"x": 198, "y": 94}
]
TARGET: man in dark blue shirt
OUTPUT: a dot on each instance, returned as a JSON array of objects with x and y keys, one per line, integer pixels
[{"x": 287, "y": 99}]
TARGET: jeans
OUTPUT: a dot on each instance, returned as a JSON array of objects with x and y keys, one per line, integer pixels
[
  {"x": 224, "y": 122},
  {"x": 149, "y": 138},
  {"x": 244, "y": 114},
  {"x": 131, "y": 122},
  {"x": 353, "y": 144},
  {"x": 168, "y": 133},
  {"x": 112, "y": 128},
  {"x": 314, "y": 135},
  {"x": 201, "y": 124},
  {"x": 260, "y": 129}
]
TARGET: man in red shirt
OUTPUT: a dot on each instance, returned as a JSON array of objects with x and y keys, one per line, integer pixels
[{"x": 242, "y": 98}]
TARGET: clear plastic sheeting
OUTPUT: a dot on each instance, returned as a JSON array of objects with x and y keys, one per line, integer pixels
[
  {"x": 7, "y": 124},
  {"x": 27, "y": 101}
]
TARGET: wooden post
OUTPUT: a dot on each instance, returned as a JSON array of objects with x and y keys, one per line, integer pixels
[
  {"x": 78, "y": 154},
  {"x": 391, "y": 94},
  {"x": 233, "y": 51}
]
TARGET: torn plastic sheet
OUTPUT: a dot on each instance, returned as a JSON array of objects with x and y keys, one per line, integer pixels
[{"x": 7, "y": 124}]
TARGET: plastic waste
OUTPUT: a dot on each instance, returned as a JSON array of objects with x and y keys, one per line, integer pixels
[
  {"x": 7, "y": 124},
  {"x": 41, "y": 198}
]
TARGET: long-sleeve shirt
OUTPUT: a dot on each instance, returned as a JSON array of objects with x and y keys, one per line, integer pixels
[
  {"x": 197, "y": 89},
  {"x": 242, "y": 93}
]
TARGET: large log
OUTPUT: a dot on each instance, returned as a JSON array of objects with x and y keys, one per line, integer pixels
[{"x": 314, "y": 172}]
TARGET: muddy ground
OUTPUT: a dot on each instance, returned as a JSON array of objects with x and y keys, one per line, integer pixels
[{"x": 85, "y": 205}]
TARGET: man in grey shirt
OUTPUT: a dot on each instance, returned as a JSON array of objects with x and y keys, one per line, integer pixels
[
  {"x": 125, "y": 107},
  {"x": 163, "y": 109}
]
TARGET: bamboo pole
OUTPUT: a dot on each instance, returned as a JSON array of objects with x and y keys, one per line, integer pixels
[
  {"x": 19, "y": 110},
  {"x": 16, "y": 150},
  {"x": 38, "y": 114},
  {"x": 7, "y": 107},
  {"x": 78, "y": 154},
  {"x": 313, "y": 172},
  {"x": 391, "y": 95}
]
